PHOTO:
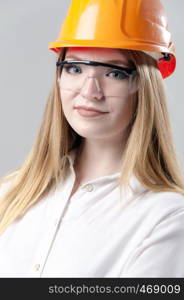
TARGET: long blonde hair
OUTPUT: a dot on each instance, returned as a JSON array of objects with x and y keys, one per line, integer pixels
[{"x": 149, "y": 151}]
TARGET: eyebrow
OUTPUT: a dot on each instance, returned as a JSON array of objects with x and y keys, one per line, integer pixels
[{"x": 115, "y": 61}]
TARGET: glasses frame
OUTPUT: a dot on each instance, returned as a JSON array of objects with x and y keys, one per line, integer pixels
[{"x": 129, "y": 71}]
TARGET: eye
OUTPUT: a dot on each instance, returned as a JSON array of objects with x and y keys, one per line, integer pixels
[
  {"x": 73, "y": 69},
  {"x": 118, "y": 75}
]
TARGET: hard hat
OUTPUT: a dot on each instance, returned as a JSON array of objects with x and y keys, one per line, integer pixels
[{"x": 124, "y": 24}]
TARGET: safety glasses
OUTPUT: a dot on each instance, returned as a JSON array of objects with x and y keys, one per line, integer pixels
[{"x": 111, "y": 80}]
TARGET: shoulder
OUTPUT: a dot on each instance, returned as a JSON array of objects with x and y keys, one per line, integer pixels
[
  {"x": 4, "y": 187},
  {"x": 149, "y": 200},
  {"x": 5, "y": 183},
  {"x": 172, "y": 200},
  {"x": 162, "y": 205}
]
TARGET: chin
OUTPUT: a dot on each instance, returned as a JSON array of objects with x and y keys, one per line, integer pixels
[{"x": 91, "y": 134}]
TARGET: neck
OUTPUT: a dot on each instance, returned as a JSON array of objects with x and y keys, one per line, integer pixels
[{"x": 96, "y": 158}]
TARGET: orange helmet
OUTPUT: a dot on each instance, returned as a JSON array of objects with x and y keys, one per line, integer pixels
[{"x": 125, "y": 24}]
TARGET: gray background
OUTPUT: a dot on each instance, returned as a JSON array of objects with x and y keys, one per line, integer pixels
[{"x": 27, "y": 71}]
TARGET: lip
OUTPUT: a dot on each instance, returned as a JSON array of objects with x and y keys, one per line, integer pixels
[
  {"x": 89, "y": 113},
  {"x": 82, "y": 107}
]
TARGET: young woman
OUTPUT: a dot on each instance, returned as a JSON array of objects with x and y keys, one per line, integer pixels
[{"x": 100, "y": 194}]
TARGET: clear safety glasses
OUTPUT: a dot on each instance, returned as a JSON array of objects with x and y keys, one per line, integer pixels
[{"x": 105, "y": 79}]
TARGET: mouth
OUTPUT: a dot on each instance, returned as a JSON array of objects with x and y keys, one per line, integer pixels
[
  {"x": 88, "y": 112},
  {"x": 85, "y": 108}
]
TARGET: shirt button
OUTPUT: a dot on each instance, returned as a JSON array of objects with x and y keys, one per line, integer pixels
[
  {"x": 89, "y": 187},
  {"x": 37, "y": 267},
  {"x": 56, "y": 222}
]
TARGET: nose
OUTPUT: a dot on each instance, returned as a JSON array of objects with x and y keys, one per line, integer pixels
[{"x": 91, "y": 88}]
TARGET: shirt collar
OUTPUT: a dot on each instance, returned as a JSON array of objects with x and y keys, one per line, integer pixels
[{"x": 135, "y": 185}]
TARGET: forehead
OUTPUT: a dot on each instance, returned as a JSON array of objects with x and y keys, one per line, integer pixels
[{"x": 96, "y": 54}]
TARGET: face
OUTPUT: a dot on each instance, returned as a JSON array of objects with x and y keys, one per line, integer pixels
[{"x": 110, "y": 94}]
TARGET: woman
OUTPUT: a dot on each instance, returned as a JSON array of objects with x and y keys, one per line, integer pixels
[{"x": 101, "y": 193}]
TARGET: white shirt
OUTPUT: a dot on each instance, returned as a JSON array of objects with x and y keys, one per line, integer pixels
[{"x": 98, "y": 233}]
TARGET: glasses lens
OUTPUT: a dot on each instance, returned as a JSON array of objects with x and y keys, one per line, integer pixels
[{"x": 110, "y": 81}]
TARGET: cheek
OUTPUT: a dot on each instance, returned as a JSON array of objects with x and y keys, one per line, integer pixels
[
  {"x": 123, "y": 110},
  {"x": 66, "y": 102}
]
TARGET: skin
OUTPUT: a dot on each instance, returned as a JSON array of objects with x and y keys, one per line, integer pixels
[{"x": 104, "y": 137}]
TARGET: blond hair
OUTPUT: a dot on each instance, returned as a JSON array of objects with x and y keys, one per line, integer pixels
[{"x": 149, "y": 151}]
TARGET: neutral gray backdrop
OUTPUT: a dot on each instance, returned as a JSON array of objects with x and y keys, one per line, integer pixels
[{"x": 27, "y": 71}]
